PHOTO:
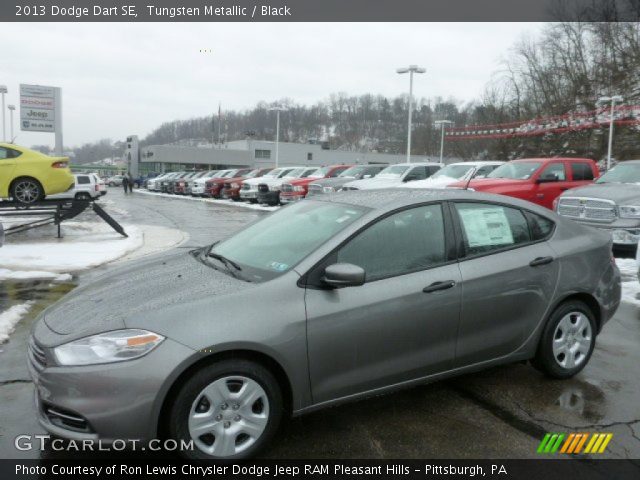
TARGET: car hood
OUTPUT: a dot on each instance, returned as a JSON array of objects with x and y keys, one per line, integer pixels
[
  {"x": 375, "y": 182},
  {"x": 621, "y": 193},
  {"x": 440, "y": 182},
  {"x": 333, "y": 182},
  {"x": 140, "y": 289}
]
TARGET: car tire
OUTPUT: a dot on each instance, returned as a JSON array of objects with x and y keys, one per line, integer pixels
[
  {"x": 567, "y": 341},
  {"x": 26, "y": 191},
  {"x": 195, "y": 406}
]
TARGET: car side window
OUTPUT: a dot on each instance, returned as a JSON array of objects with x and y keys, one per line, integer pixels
[
  {"x": 487, "y": 227},
  {"x": 337, "y": 171},
  {"x": 416, "y": 173},
  {"x": 405, "y": 242},
  {"x": 483, "y": 171},
  {"x": 554, "y": 172},
  {"x": 539, "y": 226},
  {"x": 432, "y": 170},
  {"x": 581, "y": 171},
  {"x": 83, "y": 180}
]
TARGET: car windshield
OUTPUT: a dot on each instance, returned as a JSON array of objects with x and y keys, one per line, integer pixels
[
  {"x": 353, "y": 172},
  {"x": 394, "y": 171},
  {"x": 276, "y": 173},
  {"x": 295, "y": 173},
  {"x": 453, "y": 171},
  {"x": 515, "y": 170},
  {"x": 622, "y": 173},
  {"x": 263, "y": 252},
  {"x": 320, "y": 173}
]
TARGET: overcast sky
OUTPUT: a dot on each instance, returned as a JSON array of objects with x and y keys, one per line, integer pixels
[{"x": 120, "y": 79}]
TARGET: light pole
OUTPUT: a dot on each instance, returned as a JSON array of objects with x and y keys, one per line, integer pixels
[
  {"x": 613, "y": 99},
  {"x": 3, "y": 90},
  {"x": 11, "y": 109},
  {"x": 277, "y": 110},
  {"x": 442, "y": 124},
  {"x": 411, "y": 69}
]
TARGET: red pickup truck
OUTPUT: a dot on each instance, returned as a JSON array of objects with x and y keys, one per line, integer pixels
[
  {"x": 297, "y": 189},
  {"x": 538, "y": 180}
]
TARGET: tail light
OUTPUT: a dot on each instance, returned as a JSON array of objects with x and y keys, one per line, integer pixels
[
  {"x": 97, "y": 188},
  {"x": 60, "y": 165}
]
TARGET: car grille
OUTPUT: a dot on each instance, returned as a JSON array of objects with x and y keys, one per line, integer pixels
[
  {"x": 226, "y": 185},
  {"x": 595, "y": 209},
  {"x": 263, "y": 187},
  {"x": 286, "y": 187},
  {"x": 36, "y": 355}
]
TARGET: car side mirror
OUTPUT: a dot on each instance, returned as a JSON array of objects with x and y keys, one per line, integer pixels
[{"x": 341, "y": 275}]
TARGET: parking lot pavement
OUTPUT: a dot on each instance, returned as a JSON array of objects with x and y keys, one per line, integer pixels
[{"x": 500, "y": 413}]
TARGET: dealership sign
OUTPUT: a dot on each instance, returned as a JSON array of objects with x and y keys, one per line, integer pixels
[{"x": 38, "y": 105}]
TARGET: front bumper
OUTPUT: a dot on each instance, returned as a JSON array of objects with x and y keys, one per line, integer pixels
[
  {"x": 231, "y": 193},
  {"x": 197, "y": 190},
  {"x": 248, "y": 194},
  {"x": 291, "y": 197},
  {"x": 271, "y": 197},
  {"x": 105, "y": 402}
]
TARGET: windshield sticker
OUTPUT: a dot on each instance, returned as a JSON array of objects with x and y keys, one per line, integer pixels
[
  {"x": 486, "y": 227},
  {"x": 278, "y": 267}
]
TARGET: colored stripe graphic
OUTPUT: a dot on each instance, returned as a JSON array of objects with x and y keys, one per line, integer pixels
[{"x": 574, "y": 442}]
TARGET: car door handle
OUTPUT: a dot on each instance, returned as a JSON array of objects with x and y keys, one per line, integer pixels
[
  {"x": 436, "y": 286},
  {"x": 536, "y": 262}
]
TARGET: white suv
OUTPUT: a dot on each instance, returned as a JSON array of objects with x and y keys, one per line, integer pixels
[
  {"x": 87, "y": 187},
  {"x": 395, "y": 175}
]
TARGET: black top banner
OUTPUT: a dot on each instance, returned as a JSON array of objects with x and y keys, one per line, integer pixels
[{"x": 316, "y": 10}]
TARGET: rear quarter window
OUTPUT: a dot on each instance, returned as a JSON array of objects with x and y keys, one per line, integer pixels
[{"x": 581, "y": 171}]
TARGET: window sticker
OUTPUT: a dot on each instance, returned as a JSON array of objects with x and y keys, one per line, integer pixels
[
  {"x": 278, "y": 267},
  {"x": 486, "y": 227}
]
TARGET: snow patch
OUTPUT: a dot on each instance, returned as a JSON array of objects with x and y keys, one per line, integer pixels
[
  {"x": 10, "y": 318},
  {"x": 84, "y": 245},
  {"x": 250, "y": 206},
  {"x": 33, "y": 275},
  {"x": 630, "y": 283}
]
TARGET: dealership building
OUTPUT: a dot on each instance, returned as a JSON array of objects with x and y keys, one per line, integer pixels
[{"x": 247, "y": 153}]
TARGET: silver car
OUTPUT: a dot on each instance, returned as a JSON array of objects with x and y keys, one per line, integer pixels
[{"x": 324, "y": 301}]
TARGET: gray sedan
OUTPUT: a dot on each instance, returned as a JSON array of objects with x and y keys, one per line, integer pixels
[{"x": 322, "y": 302}]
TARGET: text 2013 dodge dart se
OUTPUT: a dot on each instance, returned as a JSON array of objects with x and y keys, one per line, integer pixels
[{"x": 376, "y": 290}]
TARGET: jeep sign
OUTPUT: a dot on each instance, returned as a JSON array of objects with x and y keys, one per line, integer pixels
[{"x": 41, "y": 111}]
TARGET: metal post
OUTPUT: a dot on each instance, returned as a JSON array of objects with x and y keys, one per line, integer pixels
[
  {"x": 441, "y": 142},
  {"x": 11, "y": 136},
  {"x": 610, "y": 135},
  {"x": 410, "y": 112},
  {"x": 277, "y": 136},
  {"x": 58, "y": 116}
]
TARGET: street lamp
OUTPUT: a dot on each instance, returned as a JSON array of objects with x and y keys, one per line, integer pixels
[
  {"x": 277, "y": 110},
  {"x": 411, "y": 69},
  {"x": 3, "y": 90},
  {"x": 442, "y": 124},
  {"x": 613, "y": 99},
  {"x": 11, "y": 109}
]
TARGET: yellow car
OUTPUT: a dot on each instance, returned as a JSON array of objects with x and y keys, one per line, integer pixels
[{"x": 27, "y": 176}]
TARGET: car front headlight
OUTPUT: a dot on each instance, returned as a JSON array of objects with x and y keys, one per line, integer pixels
[
  {"x": 298, "y": 188},
  {"x": 108, "y": 347},
  {"x": 328, "y": 189},
  {"x": 235, "y": 185},
  {"x": 629, "y": 211}
]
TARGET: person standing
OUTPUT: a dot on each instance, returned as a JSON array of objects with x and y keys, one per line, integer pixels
[
  {"x": 125, "y": 182},
  {"x": 130, "y": 182}
]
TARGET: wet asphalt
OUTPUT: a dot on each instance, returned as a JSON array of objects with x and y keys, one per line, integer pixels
[{"x": 498, "y": 413}]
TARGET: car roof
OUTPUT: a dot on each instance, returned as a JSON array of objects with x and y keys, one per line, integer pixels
[
  {"x": 479, "y": 162},
  {"x": 554, "y": 158},
  {"x": 386, "y": 199},
  {"x": 416, "y": 164}
]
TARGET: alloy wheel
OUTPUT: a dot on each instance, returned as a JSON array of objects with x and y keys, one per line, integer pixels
[
  {"x": 228, "y": 416},
  {"x": 26, "y": 191},
  {"x": 572, "y": 340}
]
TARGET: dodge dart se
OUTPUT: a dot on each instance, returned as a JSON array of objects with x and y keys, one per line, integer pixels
[{"x": 377, "y": 290}]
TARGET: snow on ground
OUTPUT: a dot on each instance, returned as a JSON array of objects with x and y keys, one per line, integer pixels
[
  {"x": 251, "y": 206},
  {"x": 33, "y": 275},
  {"x": 84, "y": 245},
  {"x": 9, "y": 319},
  {"x": 630, "y": 283}
]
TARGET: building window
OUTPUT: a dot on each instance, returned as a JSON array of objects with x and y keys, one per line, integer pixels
[
  {"x": 309, "y": 156},
  {"x": 263, "y": 154}
]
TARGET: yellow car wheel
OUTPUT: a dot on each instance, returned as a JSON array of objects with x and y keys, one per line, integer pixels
[{"x": 26, "y": 190}]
